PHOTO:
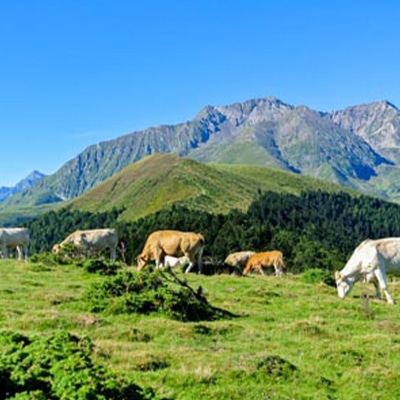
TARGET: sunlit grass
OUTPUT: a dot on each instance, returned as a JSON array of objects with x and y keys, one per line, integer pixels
[{"x": 288, "y": 339}]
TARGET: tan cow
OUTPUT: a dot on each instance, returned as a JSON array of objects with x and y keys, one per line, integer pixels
[
  {"x": 172, "y": 243},
  {"x": 91, "y": 241},
  {"x": 265, "y": 259},
  {"x": 239, "y": 259},
  {"x": 17, "y": 238}
]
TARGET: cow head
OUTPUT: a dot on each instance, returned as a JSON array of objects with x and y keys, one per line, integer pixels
[
  {"x": 56, "y": 248},
  {"x": 343, "y": 284},
  {"x": 141, "y": 261}
]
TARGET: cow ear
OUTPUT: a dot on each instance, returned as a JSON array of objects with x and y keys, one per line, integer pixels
[{"x": 338, "y": 276}]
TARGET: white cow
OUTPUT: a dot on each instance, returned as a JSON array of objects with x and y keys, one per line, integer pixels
[
  {"x": 370, "y": 262},
  {"x": 239, "y": 259},
  {"x": 92, "y": 241},
  {"x": 173, "y": 262},
  {"x": 15, "y": 238}
]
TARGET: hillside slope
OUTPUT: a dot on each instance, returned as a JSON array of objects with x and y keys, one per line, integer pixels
[{"x": 161, "y": 180}]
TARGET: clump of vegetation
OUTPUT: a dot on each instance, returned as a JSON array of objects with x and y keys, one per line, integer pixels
[
  {"x": 146, "y": 292},
  {"x": 277, "y": 366},
  {"x": 59, "y": 366},
  {"x": 48, "y": 259},
  {"x": 100, "y": 266},
  {"x": 318, "y": 275}
]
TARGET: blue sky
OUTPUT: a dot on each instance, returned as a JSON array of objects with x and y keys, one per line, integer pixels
[{"x": 77, "y": 72}]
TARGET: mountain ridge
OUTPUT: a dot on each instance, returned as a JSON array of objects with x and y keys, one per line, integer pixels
[{"x": 358, "y": 147}]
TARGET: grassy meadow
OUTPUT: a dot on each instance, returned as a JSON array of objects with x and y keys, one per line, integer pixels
[{"x": 288, "y": 339}]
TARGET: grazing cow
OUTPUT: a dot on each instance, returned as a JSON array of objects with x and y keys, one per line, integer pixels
[
  {"x": 370, "y": 262},
  {"x": 17, "y": 238},
  {"x": 172, "y": 243},
  {"x": 238, "y": 260},
  {"x": 92, "y": 241},
  {"x": 265, "y": 259},
  {"x": 173, "y": 262}
]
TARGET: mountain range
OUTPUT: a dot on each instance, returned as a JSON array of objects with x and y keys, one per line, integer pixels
[{"x": 358, "y": 148}]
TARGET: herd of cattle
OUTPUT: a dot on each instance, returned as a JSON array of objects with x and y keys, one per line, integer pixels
[{"x": 370, "y": 261}]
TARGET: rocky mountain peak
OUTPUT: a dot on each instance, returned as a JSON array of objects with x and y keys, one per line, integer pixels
[{"x": 377, "y": 123}]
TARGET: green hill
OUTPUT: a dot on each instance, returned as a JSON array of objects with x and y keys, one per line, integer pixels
[{"x": 161, "y": 180}]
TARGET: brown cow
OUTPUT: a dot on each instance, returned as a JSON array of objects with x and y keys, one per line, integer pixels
[
  {"x": 172, "y": 243},
  {"x": 265, "y": 259}
]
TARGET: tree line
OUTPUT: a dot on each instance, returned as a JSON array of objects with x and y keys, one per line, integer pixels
[{"x": 313, "y": 230}]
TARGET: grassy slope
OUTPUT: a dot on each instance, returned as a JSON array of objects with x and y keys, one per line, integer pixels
[
  {"x": 159, "y": 181},
  {"x": 342, "y": 349}
]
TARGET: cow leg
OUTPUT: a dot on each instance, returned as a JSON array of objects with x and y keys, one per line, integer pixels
[
  {"x": 278, "y": 270},
  {"x": 381, "y": 277},
  {"x": 19, "y": 253},
  {"x": 377, "y": 289},
  {"x": 160, "y": 260},
  {"x": 113, "y": 254},
  {"x": 189, "y": 267},
  {"x": 200, "y": 260},
  {"x": 5, "y": 252}
]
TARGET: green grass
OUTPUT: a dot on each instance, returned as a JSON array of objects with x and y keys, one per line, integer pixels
[{"x": 289, "y": 339}]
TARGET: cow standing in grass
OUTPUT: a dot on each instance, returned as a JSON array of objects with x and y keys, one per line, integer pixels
[
  {"x": 172, "y": 243},
  {"x": 92, "y": 241},
  {"x": 14, "y": 238},
  {"x": 238, "y": 260},
  {"x": 265, "y": 259},
  {"x": 370, "y": 262}
]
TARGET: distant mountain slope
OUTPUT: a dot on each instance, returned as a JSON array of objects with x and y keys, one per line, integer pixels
[
  {"x": 356, "y": 147},
  {"x": 159, "y": 181},
  {"x": 29, "y": 181}
]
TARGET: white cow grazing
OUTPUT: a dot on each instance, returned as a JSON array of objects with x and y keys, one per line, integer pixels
[
  {"x": 370, "y": 261},
  {"x": 15, "y": 238},
  {"x": 173, "y": 262},
  {"x": 239, "y": 259},
  {"x": 92, "y": 241}
]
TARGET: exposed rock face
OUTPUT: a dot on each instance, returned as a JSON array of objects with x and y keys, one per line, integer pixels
[{"x": 377, "y": 123}]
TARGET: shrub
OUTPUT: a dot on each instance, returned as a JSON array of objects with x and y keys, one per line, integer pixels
[
  {"x": 146, "y": 292},
  {"x": 99, "y": 266},
  {"x": 48, "y": 259},
  {"x": 59, "y": 366},
  {"x": 318, "y": 275}
]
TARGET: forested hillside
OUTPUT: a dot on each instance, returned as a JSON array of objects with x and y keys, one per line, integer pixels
[{"x": 314, "y": 229}]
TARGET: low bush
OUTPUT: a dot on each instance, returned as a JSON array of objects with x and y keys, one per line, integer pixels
[
  {"x": 318, "y": 275},
  {"x": 146, "y": 292},
  {"x": 59, "y": 366},
  {"x": 100, "y": 266}
]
